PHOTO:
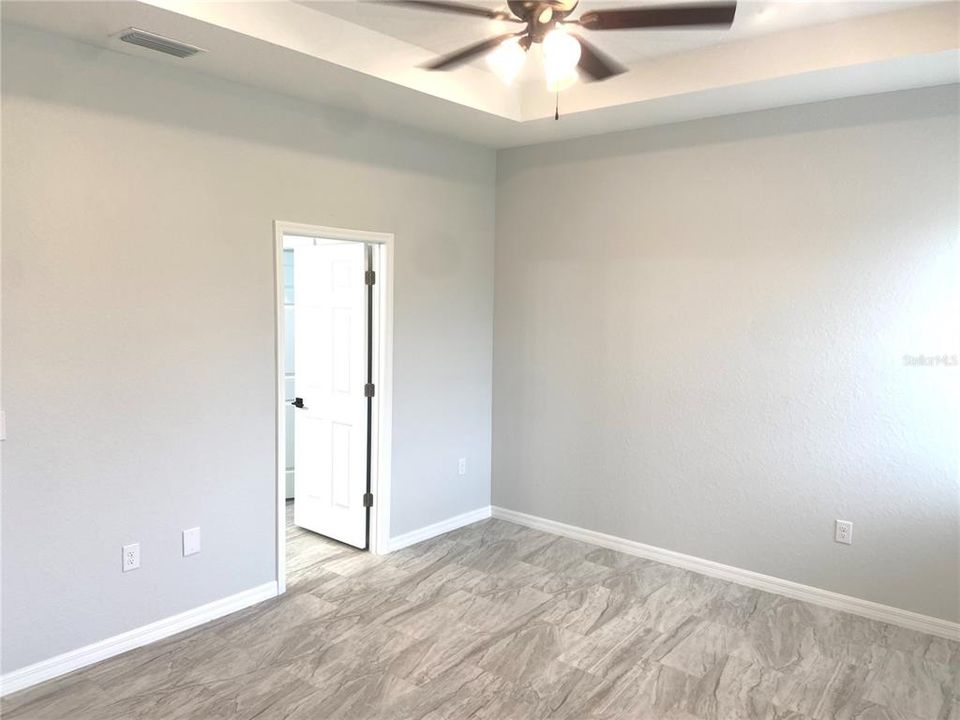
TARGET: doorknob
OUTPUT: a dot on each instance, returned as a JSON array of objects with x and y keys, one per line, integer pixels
[{"x": 298, "y": 403}]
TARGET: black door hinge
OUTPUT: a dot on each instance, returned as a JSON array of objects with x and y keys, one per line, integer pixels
[
  {"x": 368, "y": 500},
  {"x": 368, "y": 390},
  {"x": 370, "y": 277}
]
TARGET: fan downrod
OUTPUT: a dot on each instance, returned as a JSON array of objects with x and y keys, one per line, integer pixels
[{"x": 541, "y": 17}]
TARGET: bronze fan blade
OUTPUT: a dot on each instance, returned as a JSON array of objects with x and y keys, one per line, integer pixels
[
  {"x": 595, "y": 64},
  {"x": 456, "y": 8},
  {"x": 665, "y": 16},
  {"x": 446, "y": 62}
]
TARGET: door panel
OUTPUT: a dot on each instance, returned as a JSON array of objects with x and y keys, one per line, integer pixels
[{"x": 330, "y": 355}]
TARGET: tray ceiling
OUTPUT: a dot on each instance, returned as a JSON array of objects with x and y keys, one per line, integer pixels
[{"x": 365, "y": 57}]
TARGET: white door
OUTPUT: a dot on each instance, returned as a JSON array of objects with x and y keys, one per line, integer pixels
[{"x": 331, "y": 371}]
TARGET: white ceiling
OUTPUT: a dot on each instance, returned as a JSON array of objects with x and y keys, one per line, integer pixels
[
  {"x": 365, "y": 57},
  {"x": 441, "y": 32}
]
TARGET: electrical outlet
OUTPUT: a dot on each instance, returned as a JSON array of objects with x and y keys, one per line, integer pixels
[
  {"x": 843, "y": 533},
  {"x": 191, "y": 541},
  {"x": 131, "y": 557},
  {"x": 462, "y": 467}
]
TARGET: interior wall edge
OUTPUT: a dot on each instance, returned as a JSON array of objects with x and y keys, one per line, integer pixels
[
  {"x": 38, "y": 672},
  {"x": 413, "y": 537},
  {"x": 748, "y": 578}
]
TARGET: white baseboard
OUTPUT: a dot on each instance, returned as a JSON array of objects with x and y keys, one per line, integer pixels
[
  {"x": 768, "y": 583},
  {"x": 75, "y": 659},
  {"x": 444, "y": 526}
]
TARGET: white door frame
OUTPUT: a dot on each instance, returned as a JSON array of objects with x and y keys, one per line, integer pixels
[{"x": 381, "y": 422}]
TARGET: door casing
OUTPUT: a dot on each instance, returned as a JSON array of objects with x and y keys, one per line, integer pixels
[{"x": 381, "y": 409}]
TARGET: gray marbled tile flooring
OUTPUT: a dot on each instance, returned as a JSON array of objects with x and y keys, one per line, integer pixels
[{"x": 497, "y": 621}]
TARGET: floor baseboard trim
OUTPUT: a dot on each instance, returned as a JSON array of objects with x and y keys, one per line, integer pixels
[
  {"x": 767, "y": 583},
  {"x": 444, "y": 526},
  {"x": 59, "y": 665}
]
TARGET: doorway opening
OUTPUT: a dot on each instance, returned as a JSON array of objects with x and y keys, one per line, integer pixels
[{"x": 333, "y": 353}]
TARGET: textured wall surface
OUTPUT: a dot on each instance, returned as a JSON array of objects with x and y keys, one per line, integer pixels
[
  {"x": 138, "y": 320},
  {"x": 699, "y": 341},
  {"x": 702, "y": 349}
]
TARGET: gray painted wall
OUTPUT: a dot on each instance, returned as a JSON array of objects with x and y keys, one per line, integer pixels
[
  {"x": 702, "y": 351},
  {"x": 699, "y": 341},
  {"x": 138, "y": 296}
]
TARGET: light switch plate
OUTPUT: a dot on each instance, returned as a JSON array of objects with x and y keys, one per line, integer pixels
[{"x": 191, "y": 541}]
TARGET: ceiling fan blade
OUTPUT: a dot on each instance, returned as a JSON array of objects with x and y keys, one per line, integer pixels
[
  {"x": 664, "y": 16},
  {"x": 464, "y": 55},
  {"x": 456, "y": 8},
  {"x": 595, "y": 64}
]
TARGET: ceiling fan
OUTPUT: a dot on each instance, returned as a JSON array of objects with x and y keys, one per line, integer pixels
[{"x": 546, "y": 22}]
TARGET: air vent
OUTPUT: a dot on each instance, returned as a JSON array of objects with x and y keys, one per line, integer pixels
[{"x": 152, "y": 41}]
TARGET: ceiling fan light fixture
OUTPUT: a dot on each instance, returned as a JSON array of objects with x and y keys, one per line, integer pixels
[
  {"x": 567, "y": 57},
  {"x": 561, "y": 53},
  {"x": 506, "y": 60}
]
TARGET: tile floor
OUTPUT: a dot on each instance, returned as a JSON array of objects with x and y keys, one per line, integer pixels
[{"x": 499, "y": 621}]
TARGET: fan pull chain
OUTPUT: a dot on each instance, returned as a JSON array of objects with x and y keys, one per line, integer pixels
[{"x": 556, "y": 111}]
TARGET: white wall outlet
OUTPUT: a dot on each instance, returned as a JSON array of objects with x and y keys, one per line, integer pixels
[
  {"x": 843, "y": 533},
  {"x": 131, "y": 557},
  {"x": 462, "y": 467},
  {"x": 191, "y": 541}
]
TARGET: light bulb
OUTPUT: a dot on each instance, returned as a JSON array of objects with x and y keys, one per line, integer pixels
[
  {"x": 561, "y": 53},
  {"x": 506, "y": 60}
]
